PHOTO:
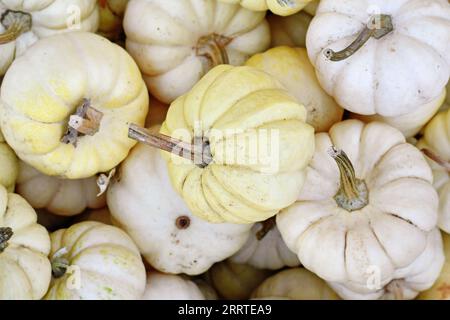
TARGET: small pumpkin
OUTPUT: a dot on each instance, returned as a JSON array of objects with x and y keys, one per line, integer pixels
[
  {"x": 142, "y": 201},
  {"x": 246, "y": 144},
  {"x": 162, "y": 286},
  {"x": 25, "y": 270},
  {"x": 366, "y": 191},
  {"x": 23, "y": 22},
  {"x": 289, "y": 31},
  {"x": 265, "y": 248},
  {"x": 63, "y": 197},
  {"x": 175, "y": 43},
  {"x": 279, "y": 7},
  {"x": 94, "y": 261},
  {"x": 436, "y": 144},
  {"x": 69, "y": 117},
  {"x": 292, "y": 68},
  {"x": 294, "y": 284},
  {"x": 369, "y": 57},
  {"x": 9, "y": 165},
  {"x": 111, "y": 17},
  {"x": 234, "y": 281},
  {"x": 441, "y": 288}
]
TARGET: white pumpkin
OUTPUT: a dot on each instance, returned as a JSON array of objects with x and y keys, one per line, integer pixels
[
  {"x": 162, "y": 286},
  {"x": 265, "y": 248},
  {"x": 94, "y": 261},
  {"x": 359, "y": 204},
  {"x": 176, "y": 42},
  {"x": 25, "y": 270},
  {"x": 402, "y": 68},
  {"x": 40, "y": 19},
  {"x": 63, "y": 197},
  {"x": 289, "y": 31},
  {"x": 294, "y": 284},
  {"x": 9, "y": 165},
  {"x": 407, "y": 281},
  {"x": 142, "y": 201},
  {"x": 436, "y": 139}
]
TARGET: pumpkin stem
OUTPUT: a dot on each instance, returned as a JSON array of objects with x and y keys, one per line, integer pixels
[
  {"x": 267, "y": 225},
  {"x": 15, "y": 23},
  {"x": 352, "y": 194},
  {"x": 59, "y": 263},
  {"x": 198, "y": 152},
  {"x": 436, "y": 158},
  {"x": 5, "y": 234},
  {"x": 213, "y": 48},
  {"x": 85, "y": 120},
  {"x": 286, "y": 3},
  {"x": 378, "y": 26}
]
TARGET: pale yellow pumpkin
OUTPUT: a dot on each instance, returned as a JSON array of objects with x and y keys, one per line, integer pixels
[
  {"x": 9, "y": 165},
  {"x": 279, "y": 7},
  {"x": 235, "y": 110},
  {"x": 25, "y": 270},
  {"x": 55, "y": 77},
  {"x": 292, "y": 68}
]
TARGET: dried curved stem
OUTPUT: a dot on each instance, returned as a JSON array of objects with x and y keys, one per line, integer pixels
[
  {"x": 267, "y": 225},
  {"x": 16, "y": 23},
  {"x": 213, "y": 48},
  {"x": 378, "y": 26}
]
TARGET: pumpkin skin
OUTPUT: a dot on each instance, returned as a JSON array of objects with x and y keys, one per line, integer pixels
[
  {"x": 49, "y": 17},
  {"x": 294, "y": 284},
  {"x": 143, "y": 203},
  {"x": 234, "y": 281},
  {"x": 111, "y": 17},
  {"x": 162, "y": 286},
  {"x": 409, "y": 281},
  {"x": 275, "y": 6},
  {"x": 440, "y": 289},
  {"x": 163, "y": 37},
  {"x": 270, "y": 252},
  {"x": 381, "y": 77},
  {"x": 110, "y": 266},
  {"x": 289, "y": 31},
  {"x": 63, "y": 197},
  {"x": 236, "y": 103},
  {"x": 342, "y": 246},
  {"x": 55, "y": 75},
  {"x": 9, "y": 165},
  {"x": 25, "y": 270},
  {"x": 292, "y": 68},
  {"x": 436, "y": 138}
]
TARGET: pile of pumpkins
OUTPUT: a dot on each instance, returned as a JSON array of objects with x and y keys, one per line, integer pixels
[{"x": 224, "y": 149}]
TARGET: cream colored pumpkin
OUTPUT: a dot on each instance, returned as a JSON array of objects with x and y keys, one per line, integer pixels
[
  {"x": 56, "y": 74},
  {"x": 279, "y": 7},
  {"x": 48, "y": 17},
  {"x": 441, "y": 288},
  {"x": 346, "y": 223},
  {"x": 265, "y": 249},
  {"x": 25, "y": 270},
  {"x": 401, "y": 74},
  {"x": 235, "y": 110},
  {"x": 59, "y": 196},
  {"x": 436, "y": 138},
  {"x": 162, "y": 286},
  {"x": 294, "y": 284},
  {"x": 9, "y": 165},
  {"x": 289, "y": 31},
  {"x": 111, "y": 17},
  {"x": 292, "y": 68},
  {"x": 171, "y": 239},
  {"x": 94, "y": 261},
  {"x": 235, "y": 281},
  {"x": 176, "y": 42}
]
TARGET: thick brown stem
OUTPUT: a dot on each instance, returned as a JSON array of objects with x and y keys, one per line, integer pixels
[
  {"x": 267, "y": 225},
  {"x": 85, "y": 120},
  {"x": 436, "y": 158},
  {"x": 199, "y": 153},
  {"x": 15, "y": 23},
  {"x": 352, "y": 194},
  {"x": 5, "y": 234},
  {"x": 378, "y": 26},
  {"x": 213, "y": 47}
]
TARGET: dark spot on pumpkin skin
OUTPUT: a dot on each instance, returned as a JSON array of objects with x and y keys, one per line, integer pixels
[{"x": 183, "y": 222}]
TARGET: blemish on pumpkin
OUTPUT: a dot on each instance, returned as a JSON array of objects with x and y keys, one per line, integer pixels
[{"x": 183, "y": 222}]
